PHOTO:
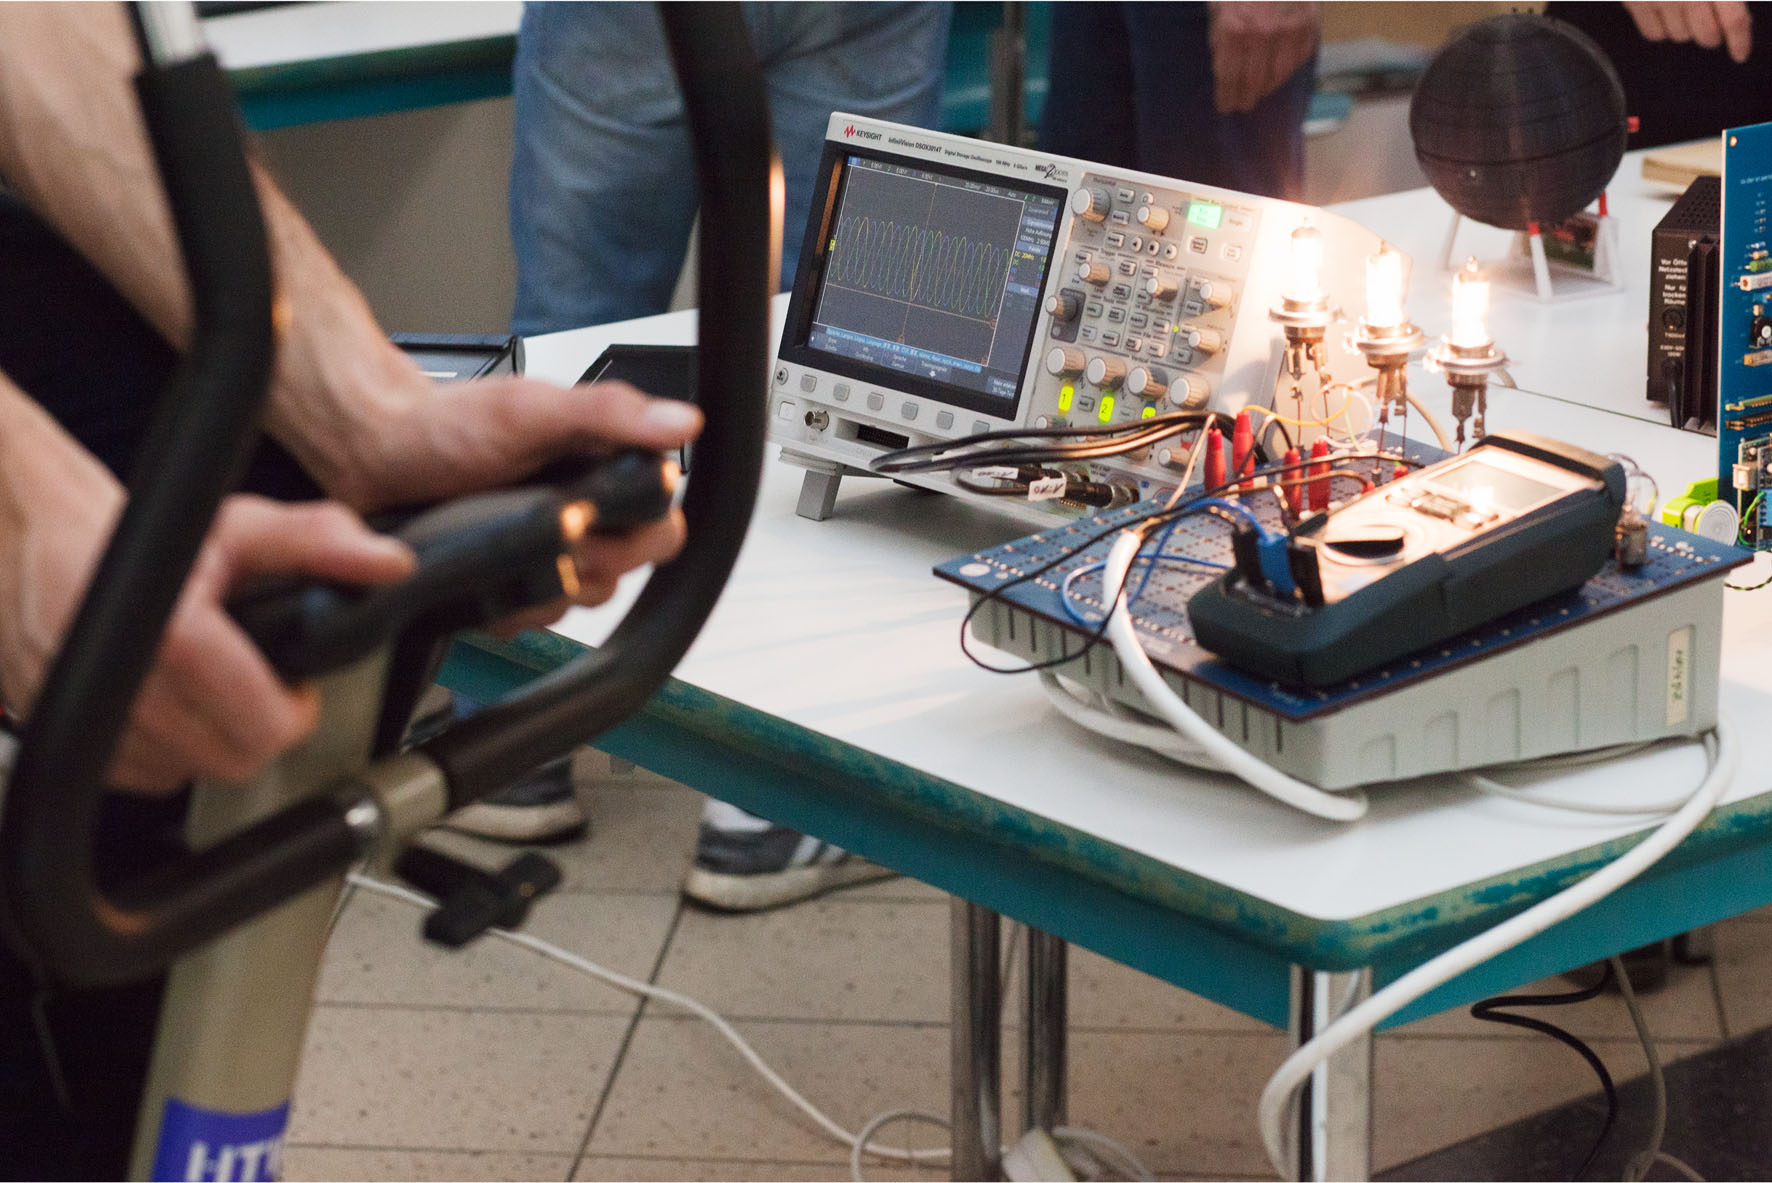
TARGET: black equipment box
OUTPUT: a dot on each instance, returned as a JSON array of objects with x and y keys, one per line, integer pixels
[{"x": 1683, "y": 297}]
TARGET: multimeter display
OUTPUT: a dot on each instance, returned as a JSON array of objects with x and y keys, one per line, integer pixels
[
  {"x": 1422, "y": 559},
  {"x": 1488, "y": 485}
]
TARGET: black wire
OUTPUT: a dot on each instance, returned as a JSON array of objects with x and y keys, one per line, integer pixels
[
  {"x": 1115, "y": 439},
  {"x": 1488, "y": 1011}
]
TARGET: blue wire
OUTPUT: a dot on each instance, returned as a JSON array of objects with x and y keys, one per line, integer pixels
[{"x": 1089, "y": 615}]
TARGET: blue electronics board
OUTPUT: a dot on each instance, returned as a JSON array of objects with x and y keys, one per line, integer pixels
[
  {"x": 1744, "y": 354},
  {"x": 1068, "y": 590}
]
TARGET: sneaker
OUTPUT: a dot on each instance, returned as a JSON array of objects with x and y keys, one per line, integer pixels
[
  {"x": 541, "y": 808},
  {"x": 744, "y": 863}
]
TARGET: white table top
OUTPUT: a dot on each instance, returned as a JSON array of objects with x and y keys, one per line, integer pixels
[
  {"x": 838, "y": 626},
  {"x": 1591, "y": 349},
  {"x": 309, "y": 32}
]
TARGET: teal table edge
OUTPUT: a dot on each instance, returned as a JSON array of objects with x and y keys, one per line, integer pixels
[
  {"x": 1195, "y": 933},
  {"x": 352, "y": 86}
]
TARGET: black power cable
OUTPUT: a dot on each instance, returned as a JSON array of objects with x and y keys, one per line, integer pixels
[{"x": 1489, "y": 1010}]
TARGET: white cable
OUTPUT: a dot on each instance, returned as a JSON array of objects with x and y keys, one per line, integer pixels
[
  {"x": 1446, "y": 444},
  {"x": 1164, "y": 741},
  {"x": 873, "y": 1127},
  {"x": 1129, "y": 1163},
  {"x": 1497, "y": 789},
  {"x": 683, "y": 1001},
  {"x": 1168, "y": 704},
  {"x": 1640, "y": 1164},
  {"x": 858, "y": 1142},
  {"x": 1679, "y": 1165},
  {"x": 1277, "y": 1097}
]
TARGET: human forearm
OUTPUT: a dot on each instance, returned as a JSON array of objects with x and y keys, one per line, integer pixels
[{"x": 72, "y": 144}]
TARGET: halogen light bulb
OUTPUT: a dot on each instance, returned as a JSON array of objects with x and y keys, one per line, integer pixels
[
  {"x": 1387, "y": 282},
  {"x": 1470, "y": 307},
  {"x": 1306, "y": 286}
]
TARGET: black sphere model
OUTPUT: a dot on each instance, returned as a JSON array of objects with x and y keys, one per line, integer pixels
[{"x": 1519, "y": 119}]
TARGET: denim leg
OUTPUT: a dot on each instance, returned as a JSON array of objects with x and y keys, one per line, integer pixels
[
  {"x": 602, "y": 181},
  {"x": 880, "y": 60}
]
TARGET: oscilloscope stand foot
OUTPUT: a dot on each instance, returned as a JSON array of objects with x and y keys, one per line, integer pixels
[{"x": 818, "y": 490}]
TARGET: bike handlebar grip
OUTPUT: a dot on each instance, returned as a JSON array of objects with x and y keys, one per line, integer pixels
[
  {"x": 480, "y": 559},
  {"x": 740, "y": 186}
]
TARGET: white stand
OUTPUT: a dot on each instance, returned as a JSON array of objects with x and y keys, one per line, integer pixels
[{"x": 1527, "y": 270}]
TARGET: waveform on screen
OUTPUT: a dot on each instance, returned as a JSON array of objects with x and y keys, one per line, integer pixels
[{"x": 938, "y": 270}]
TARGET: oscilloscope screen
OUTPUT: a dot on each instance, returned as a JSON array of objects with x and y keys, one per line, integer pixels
[{"x": 936, "y": 277}]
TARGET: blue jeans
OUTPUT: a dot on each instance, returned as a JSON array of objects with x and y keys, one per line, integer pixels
[
  {"x": 1131, "y": 85},
  {"x": 602, "y": 182}
]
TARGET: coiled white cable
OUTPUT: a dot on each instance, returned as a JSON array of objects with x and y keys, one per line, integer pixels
[
  {"x": 1220, "y": 749},
  {"x": 1277, "y": 1097}
]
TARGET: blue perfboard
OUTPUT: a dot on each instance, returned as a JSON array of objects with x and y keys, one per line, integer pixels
[
  {"x": 1744, "y": 353},
  {"x": 1159, "y": 614}
]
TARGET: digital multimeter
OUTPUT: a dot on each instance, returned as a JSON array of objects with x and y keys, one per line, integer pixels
[{"x": 1422, "y": 559}]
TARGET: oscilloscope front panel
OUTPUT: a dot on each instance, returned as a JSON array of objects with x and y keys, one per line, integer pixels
[{"x": 949, "y": 286}]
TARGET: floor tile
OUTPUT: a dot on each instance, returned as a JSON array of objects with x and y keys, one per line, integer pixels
[
  {"x": 682, "y": 1090},
  {"x": 1743, "y": 963},
  {"x": 600, "y": 1167},
  {"x": 452, "y": 1079},
  {"x": 1432, "y": 1093},
  {"x": 377, "y": 956},
  {"x": 345, "y": 1163},
  {"x": 832, "y": 958},
  {"x": 1685, "y": 1008},
  {"x": 1184, "y": 1103},
  {"x": 641, "y": 840}
]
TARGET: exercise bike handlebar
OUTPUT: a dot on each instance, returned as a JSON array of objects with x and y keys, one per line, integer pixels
[{"x": 55, "y": 911}]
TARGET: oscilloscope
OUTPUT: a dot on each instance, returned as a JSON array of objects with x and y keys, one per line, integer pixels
[{"x": 949, "y": 286}]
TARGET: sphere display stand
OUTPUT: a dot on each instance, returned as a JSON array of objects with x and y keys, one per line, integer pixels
[{"x": 1527, "y": 270}]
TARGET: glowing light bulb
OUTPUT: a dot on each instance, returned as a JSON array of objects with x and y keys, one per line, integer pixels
[
  {"x": 1387, "y": 283},
  {"x": 1307, "y": 265},
  {"x": 1470, "y": 307}
]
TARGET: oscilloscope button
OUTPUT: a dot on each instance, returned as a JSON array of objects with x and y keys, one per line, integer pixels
[
  {"x": 1115, "y": 238},
  {"x": 781, "y": 375},
  {"x": 876, "y": 400},
  {"x": 1125, "y": 195},
  {"x": 1121, "y": 291},
  {"x": 840, "y": 392},
  {"x": 1171, "y": 251},
  {"x": 1091, "y": 202},
  {"x": 1110, "y": 338},
  {"x": 1115, "y": 315},
  {"x": 908, "y": 410},
  {"x": 944, "y": 420},
  {"x": 808, "y": 383}
]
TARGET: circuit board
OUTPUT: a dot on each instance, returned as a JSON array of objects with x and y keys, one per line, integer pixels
[
  {"x": 1744, "y": 354},
  {"x": 1163, "y": 589}
]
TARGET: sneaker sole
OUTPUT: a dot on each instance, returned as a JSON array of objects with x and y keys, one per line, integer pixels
[
  {"x": 560, "y": 821},
  {"x": 756, "y": 893}
]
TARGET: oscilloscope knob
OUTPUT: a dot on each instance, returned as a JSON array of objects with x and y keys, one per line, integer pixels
[
  {"x": 1155, "y": 217},
  {"x": 1189, "y": 394},
  {"x": 1092, "y": 202},
  {"x": 1105, "y": 371},
  {"x": 1212, "y": 294},
  {"x": 1063, "y": 306},
  {"x": 1202, "y": 340},
  {"x": 1146, "y": 382},
  {"x": 1094, "y": 272},
  {"x": 1161, "y": 287},
  {"x": 1064, "y": 359}
]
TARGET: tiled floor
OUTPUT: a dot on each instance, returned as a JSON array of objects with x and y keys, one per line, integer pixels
[{"x": 493, "y": 1063}]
